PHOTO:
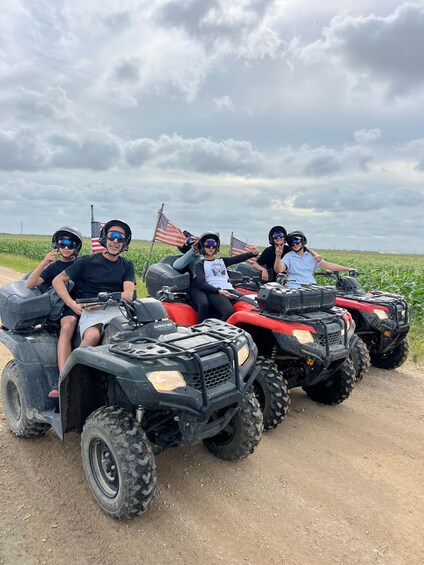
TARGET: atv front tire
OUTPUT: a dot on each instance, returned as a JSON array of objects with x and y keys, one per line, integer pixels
[
  {"x": 393, "y": 359},
  {"x": 334, "y": 389},
  {"x": 361, "y": 359},
  {"x": 242, "y": 433},
  {"x": 16, "y": 406},
  {"x": 118, "y": 462},
  {"x": 272, "y": 393}
]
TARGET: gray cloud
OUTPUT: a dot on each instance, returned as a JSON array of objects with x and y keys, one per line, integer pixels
[
  {"x": 118, "y": 21},
  {"x": 21, "y": 151},
  {"x": 128, "y": 71},
  {"x": 356, "y": 198},
  {"x": 34, "y": 105},
  {"x": 100, "y": 152},
  {"x": 198, "y": 155},
  {"x": 381, "y": 48}
]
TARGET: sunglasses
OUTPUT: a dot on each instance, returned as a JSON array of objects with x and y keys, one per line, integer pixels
[
  {"x": 211, "y": 243},
  {"x": 277, "y": 235},
  {"x": 63, "y": 243},
  {"x": 190, "y": 240},
  {"x": 111, "y": 235},
  {"x": 296, "y": 241}
]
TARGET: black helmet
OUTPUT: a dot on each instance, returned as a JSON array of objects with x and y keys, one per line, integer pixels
[
  {"x": 188, "y": 242},
  {"x": 121, "y": 224},
  {"x": 274, "y": 230},
  {"x": 297, "y": 234},
  {"x": 209, "y": 235},
  {"x": 68, "y": 232}
]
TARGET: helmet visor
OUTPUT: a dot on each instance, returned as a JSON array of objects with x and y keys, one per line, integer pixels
[
  {"x": 112, "y": 234},
  {"x": 67, "y": 242},
  {"x": 211, "y": 244}
]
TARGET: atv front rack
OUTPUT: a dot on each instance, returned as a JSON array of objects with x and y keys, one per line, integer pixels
[{"x": 174, "y": 348}]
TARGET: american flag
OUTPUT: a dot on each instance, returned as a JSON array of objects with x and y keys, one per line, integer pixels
[
  {"x": 168, "y": 233},
  {"x": 238, "y": 247},
  {"x": 95, "y": 234}
]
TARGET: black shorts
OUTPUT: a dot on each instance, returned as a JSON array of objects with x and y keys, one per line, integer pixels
[{"x": 68, "y": 312}]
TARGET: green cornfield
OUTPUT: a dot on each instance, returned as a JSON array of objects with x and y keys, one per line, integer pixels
[{"x": 400, "y": 274}]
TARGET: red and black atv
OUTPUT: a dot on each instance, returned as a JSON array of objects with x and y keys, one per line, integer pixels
[
  {"x": 301, "y": 337},
  {"x": 381, "y": 318}
]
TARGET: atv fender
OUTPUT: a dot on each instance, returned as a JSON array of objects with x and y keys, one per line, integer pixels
[
  {"x": 36, "y": 361},
  {"x": 252, "y": 318}
]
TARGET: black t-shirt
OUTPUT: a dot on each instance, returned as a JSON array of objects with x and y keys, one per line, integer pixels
[
  {"x": 50, "y": 272},
  {"x": 94, "y": 273},
  {"x": 267, "y": 259}
]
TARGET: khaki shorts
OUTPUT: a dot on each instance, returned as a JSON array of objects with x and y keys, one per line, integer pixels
[{"x": 91, "y": 318}]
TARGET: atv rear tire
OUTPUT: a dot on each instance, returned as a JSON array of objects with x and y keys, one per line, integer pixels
[
  {"x": 242, "y": 433},
  {"x": 118, "y": 462},
  {"x": 392, "y": 359},
  {"x": 336, "y": 388},
  {"x": 16, "y": 406},
  {"x": 272, "y": 393},
  {"x": 361, "y": 359}
]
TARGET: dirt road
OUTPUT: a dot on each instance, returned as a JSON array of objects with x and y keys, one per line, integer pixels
[{"x": 341, "y": 484}]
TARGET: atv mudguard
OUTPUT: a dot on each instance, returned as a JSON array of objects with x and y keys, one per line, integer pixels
[{"x": 36, "y": 360}]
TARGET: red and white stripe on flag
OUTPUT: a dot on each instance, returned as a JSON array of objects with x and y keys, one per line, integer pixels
[
  {"x": 167, "y": 232},
  {"x": 95, "y": 234},
  {"x": 238, "y": 247}
]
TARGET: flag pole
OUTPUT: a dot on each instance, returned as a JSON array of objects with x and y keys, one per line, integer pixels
[
  {"x": 146, "y": 266},
  {"x": 231, "y": 244},
  {"x": 92, "y": 213}
]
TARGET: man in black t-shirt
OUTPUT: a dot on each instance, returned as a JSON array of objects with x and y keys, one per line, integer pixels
[{"x": 101, "y": 272}]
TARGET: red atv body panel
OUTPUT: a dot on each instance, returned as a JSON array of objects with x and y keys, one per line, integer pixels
[{"x": 356, "y": 305}]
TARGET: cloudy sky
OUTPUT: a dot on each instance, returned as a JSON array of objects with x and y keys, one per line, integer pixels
[{"x": 237, "y": 114}]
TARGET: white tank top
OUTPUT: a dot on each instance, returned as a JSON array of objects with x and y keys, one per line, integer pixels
[{"x": 216, "y": 274}]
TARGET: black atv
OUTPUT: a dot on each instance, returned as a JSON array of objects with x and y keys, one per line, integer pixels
[
  {"x": 301, "y": 337},
  {"x": 382, "y": 319},
  {"x": 150, "y": 385}
]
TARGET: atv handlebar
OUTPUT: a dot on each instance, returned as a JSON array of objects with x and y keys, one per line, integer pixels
[
  {"x": 336, "y": 274},
  {"x": 102, "y": 298}
]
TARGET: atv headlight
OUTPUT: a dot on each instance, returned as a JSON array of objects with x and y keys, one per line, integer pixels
[
  {"x": 303, "y": 336},
  {"x": 382, "y": 314},
  {"x": 164, "y": 381},
  {"x": 243, "y": 354}
]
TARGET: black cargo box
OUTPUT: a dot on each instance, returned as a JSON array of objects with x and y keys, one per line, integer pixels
[
  {"x": 22, "y": 307},
  {"x": 274, "y": 297}
]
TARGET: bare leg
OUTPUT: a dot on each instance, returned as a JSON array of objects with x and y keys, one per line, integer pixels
[
  {"x": 91, "y": 336},
  {"x": 64, "y": 344}
]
